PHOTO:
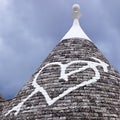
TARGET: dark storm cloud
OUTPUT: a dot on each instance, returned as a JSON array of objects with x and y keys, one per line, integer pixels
[
  {"x": 29, "y": 30},
  {"x": 111, "y": 27}
]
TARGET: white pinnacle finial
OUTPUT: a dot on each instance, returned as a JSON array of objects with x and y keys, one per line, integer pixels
[
  {"x": 76, "y": 11},
  {"x": 76, "y": 30}
]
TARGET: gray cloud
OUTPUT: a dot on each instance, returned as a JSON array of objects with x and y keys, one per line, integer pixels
[{"x": 29, "y": 30}]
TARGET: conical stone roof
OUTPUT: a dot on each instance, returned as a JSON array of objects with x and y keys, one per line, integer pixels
[{"x": 75, "y": 82}]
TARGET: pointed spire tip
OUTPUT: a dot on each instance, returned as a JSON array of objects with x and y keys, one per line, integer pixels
[{"x": 76, "y": 30}]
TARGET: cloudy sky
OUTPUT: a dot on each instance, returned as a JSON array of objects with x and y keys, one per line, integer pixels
[{"x": 30, "y": 29}]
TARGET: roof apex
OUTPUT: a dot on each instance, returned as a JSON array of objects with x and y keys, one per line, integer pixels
[{"x": 76, "y": 30}]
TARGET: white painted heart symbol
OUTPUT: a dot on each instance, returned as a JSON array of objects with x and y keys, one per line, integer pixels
[{"x": 63, "y": 75}]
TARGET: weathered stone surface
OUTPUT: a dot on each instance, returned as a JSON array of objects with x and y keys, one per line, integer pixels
[
  {"x": 1, "y": 99},
  {"x": 97, "y": 101},
  {"x": 1, "y": 104}
]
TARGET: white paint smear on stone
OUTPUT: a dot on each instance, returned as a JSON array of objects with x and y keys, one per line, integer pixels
[{"x": 63, "y": 75}]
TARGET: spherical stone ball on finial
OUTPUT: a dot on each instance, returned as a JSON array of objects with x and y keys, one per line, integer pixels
[
  {"x": 76, "y": 7},
  {"x": 76, "y": 11}
]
